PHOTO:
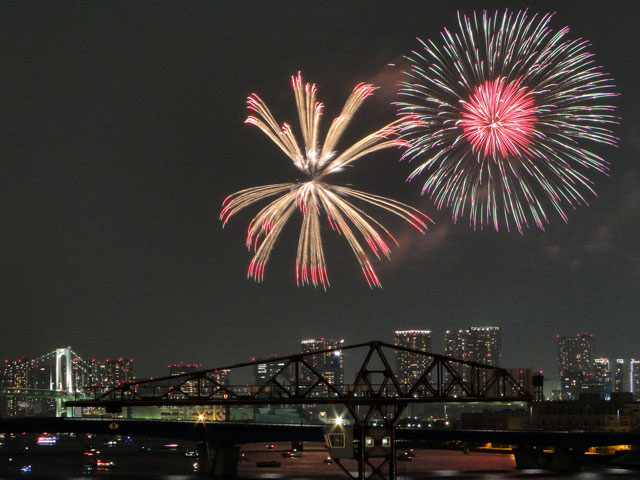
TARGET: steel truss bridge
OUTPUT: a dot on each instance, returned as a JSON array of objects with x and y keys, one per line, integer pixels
[{"x": 375, "y": 397}]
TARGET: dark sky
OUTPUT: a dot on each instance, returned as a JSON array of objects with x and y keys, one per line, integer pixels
[{"x": 122, "y": 132}]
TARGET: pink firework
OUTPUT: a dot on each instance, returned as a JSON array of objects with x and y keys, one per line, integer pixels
[
  {"x": 499, "y": 117},
  {"x": 501, "y": 114}
]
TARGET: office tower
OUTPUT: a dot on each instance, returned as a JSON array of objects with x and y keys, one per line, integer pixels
[
  {"x": 329, "y": 364},
  {"x": 619, "y": 380},
  {"x": 410, "y": 366},
  {"x": 634, "y": 378},
  {"x": 575, "y": 364},
  {"x": 602, "y": 381}
]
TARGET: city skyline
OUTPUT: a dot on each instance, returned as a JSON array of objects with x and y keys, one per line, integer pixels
[
  {"x": 63, "y": 371},
  {"x": 463, "y": 344},
  {"x": 124, "y": 132}
]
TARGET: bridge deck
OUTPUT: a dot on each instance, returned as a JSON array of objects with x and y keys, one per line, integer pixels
[{"x": 239, "y": 433}]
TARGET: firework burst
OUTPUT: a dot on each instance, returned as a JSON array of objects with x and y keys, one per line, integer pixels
[
  {"x": 316, "y": 196},
  {"x": 498, "y": 114}
]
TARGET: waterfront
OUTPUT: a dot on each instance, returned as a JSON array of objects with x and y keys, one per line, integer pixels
[{"x": 154, "y": 459}]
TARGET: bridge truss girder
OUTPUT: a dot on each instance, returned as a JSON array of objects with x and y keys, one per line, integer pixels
[
  {"x": 444, "y": 380},
  {"x": 376, "y": 391}
]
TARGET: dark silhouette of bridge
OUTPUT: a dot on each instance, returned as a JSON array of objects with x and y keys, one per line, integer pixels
[
  {"x": 376, "y": 396},
  {"x": 241, "y": 433},
  {"x": 568, "y": 446},
  {"x": 375, "y": 401},
  {"x": 298, "y": 382}
]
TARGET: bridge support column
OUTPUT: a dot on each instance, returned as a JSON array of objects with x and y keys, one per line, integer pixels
[
  {"x": 204, "y": 457},
  {"x": 564, "y": 460},
  {"x": 527, "y": 457},
  {"x": 220, "y": 460}
]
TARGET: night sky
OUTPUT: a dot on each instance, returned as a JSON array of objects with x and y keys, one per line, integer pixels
[{"x": 123, "y": 130}]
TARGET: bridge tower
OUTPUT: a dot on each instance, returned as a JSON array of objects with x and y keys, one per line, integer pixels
[{"x": 62, "y": 374}]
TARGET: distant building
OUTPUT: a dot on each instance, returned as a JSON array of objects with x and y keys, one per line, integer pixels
[
  {"x": 487, "y": 345},
  {"x": 527, "y": 380},
  {"x": 551, "y": 388},
  {"x": 410, "y": 366},
  {"x": 275, "y": 368},
  {"x": 602, "y": 381},
  {"x": 329, "y": 364},
  {"x": 457, "y": 344},
  {"x": 481, "y": 344},
  {"x": 588, "y": 412},
  {"x": 634, "y": 378},
  {"x": 105, "y": 374},
  {"x": 119, "y": 371},
  {"x": 60, "y": 370},
  {"x": 181, "y": 368},
  {"x": 619, "y": 377},
  {"x": 194, "y": 387},
  {"x": 575, "y": 364},
  {"x": 99, "y": 376},
  {"x": 16, "y": 374}
]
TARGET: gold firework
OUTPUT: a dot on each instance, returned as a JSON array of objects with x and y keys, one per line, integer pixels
[{"x": 315, "y": 195}]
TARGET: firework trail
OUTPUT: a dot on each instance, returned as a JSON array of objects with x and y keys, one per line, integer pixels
[
  {"x": 316, "y": 195},
  {"x": 498, "y": 112}
]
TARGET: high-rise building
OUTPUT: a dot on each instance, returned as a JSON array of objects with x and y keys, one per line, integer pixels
[
  {"x": 475, "y": 344},
  {"x": 274, "y": 368},
  {"x": 619, "y": 377},
  {"x": 602, "y": 382},
  {"x": 575, "y": 364},
  {"x": 119, "y": 371},
  {"x": 329, "y": 364},
  {"x": 16, "y": 374},
  {"x": 456, "y": 344},
  {"x": 528, "y": 380},
  {"x": 487, "y": 345},
  {"x": 181, "y": 368},
  {"x": 410, "y": 366},
  {"x": 482, "y": 344},
  {"x": 99, "y": 378},
  {"x": 191, "y": 387},
  {"x": 634, "y": 378}
]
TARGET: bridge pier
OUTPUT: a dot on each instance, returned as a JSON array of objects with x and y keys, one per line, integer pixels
[
  {"x": 562, "y": 460},
  {"x": 220, "y": 460}
]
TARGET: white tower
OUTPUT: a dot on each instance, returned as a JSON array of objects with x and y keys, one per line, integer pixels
[{"x": 63, "y": 377}]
